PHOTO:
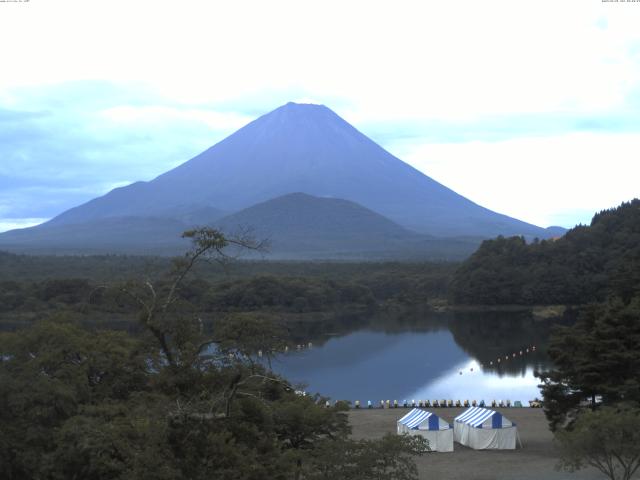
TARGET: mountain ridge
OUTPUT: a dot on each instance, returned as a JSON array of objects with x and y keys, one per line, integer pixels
[{"x": 298, "y": 226}]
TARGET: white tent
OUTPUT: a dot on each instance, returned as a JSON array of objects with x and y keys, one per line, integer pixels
[
  {"x": 428, "y": 425},
  {"x": 481, "y": 428}
]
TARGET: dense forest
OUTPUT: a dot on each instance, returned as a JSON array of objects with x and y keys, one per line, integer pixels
[
  {"x": 586, "y": 265},
  {"x": 37, "y": 284}
]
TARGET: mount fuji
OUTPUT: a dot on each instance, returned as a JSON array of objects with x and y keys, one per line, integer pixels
[{"x": 297, "y": 148}]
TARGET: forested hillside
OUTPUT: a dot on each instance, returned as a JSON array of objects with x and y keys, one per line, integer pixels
[{"x": 586, "y": 265}]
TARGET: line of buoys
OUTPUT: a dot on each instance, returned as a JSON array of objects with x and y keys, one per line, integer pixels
[{"x": 513, "y": 355}]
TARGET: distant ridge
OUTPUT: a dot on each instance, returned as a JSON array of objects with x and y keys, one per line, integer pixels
[
  {"x": 302, "y": 215},
  {"x": 297, "y": 226}
]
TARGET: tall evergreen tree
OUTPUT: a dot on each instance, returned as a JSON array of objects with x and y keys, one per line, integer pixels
[{"x": 596, "y": 357}]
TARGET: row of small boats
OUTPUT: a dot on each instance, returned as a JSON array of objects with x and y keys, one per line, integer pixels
[{"x": 448, "y": 404}]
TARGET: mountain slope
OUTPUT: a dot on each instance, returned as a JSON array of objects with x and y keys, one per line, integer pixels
[
  {"x": 310, "y": 149},
  {"x": 134, "y": 235}
]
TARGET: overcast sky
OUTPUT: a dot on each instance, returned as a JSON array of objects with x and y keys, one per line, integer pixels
[{"x": 530, "y": 108}]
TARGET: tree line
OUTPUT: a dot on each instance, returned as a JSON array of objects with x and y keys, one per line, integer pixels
[{"x": 303, "y": 290}]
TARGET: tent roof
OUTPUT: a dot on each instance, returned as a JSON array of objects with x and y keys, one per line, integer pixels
[
  {"x": 476, "y": 416},
  {"x": 415, "y": 417}
]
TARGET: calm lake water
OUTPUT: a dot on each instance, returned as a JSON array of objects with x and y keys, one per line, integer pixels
[{"x": 447, "y": 360}]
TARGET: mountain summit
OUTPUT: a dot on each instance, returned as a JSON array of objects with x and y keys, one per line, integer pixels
[{"x": 300, "y": 148}]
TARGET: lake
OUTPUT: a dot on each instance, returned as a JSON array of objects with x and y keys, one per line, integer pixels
[{"x": 455, "y": 357}]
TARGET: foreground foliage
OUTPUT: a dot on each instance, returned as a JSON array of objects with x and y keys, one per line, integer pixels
[
  {"x": 607, "y": 439},
  {"x": 81, "y": 404},
  {"x": 592, "y": 396}
]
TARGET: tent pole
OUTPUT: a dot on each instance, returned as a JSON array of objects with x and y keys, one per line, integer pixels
[{"x": 519, "y": 441}]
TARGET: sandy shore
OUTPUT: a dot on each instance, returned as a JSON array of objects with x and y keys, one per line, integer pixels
[{"x": 536, "y": 460}]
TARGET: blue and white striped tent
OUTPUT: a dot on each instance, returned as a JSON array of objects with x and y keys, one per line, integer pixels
[
  {"x": 481, "y": 428},
  {"x": 428, "y": 425}
]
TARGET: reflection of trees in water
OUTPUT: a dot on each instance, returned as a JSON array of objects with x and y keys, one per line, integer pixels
[
  {"x": 483, "y": 335},
  {"x": 489, "y": 335},
  {"x": 320, "y": 328},
  {"x": 419, "y": 318}
]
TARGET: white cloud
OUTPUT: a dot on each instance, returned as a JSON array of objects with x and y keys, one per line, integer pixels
[
  {"x": 544, "y": 180},
  {"x": 415, "y": 59},
  {"x": 158, "y": 114},
  {"x": 7, "y": 224}
]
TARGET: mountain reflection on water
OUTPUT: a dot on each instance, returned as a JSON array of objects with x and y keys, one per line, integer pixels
[{"x": 435, "y": 356}]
